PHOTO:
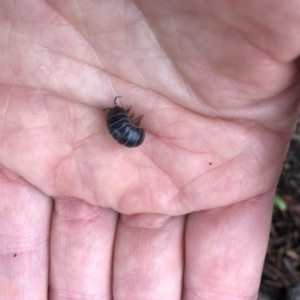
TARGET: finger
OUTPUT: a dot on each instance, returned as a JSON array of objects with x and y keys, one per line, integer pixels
[
  {"x": 148, "y": 260},
  {"x": 81, "y": 250},
  {"x": 25, "y": 219},
  {"x": 225, "y": 250}
]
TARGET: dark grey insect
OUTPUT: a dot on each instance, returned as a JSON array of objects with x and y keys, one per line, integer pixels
[{"x": 119, "y": 126}]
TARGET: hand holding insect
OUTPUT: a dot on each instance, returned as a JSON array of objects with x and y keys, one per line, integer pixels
[{"x": 186, "y": 214}]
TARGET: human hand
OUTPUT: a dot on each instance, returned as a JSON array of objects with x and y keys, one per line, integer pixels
[{"x": 184, "y": 216}]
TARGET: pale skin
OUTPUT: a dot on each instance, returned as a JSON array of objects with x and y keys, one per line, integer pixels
[{"x": 186, "y": 215}]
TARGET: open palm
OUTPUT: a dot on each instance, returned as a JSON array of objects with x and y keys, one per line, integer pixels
[{"x": 186, "y": 214}]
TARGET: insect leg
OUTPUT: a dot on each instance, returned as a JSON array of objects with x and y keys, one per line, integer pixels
[
  {"x": 128, "y": 110},
  {"x": 138, "y": 120}
]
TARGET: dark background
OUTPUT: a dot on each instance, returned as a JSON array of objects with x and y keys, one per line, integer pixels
[{"x": 281, "y": 272}]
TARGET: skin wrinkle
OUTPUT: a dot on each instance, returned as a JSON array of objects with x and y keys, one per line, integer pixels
[
  {"x": 80, "y": 174},
  {"x": 166, "y": 54},
  {"x": 227, "y": 162},
  {"x": 66, "y": 94},
  {"x": 164, "y": 172},
  {"x": 4, "y": 114},
  {"x": 73, "y": 58},
  {"x": 274, "y": 117},
  {"x": 139, "y": 76},
  {"x": 73, "y": 153},
  {"x": 278, "y": 138},
  {"x": 264, "y": 51},
  {"x": 208, "y": 70},
  {"x": 27, "y": 244},
  {"x": 194, "y": 180},
  {"x": 80, "y": 14},
  {"x": 56, "y": 175},
  {"x": 256, "y": 47},
  {"x": 48, "y": 115},
  {"x": 226, "y": 23},
  {"x": 220, "y": 295},
  {"x": 152, "y": 202},
  {"x": 146, "y": 221},
  {"x": 252, "y": 201}
]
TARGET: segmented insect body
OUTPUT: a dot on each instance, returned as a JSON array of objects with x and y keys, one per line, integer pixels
[{"x": 123, "y": 131}]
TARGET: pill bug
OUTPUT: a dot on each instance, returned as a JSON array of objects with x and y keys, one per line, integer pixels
[{"x": 124, "y": 131}]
